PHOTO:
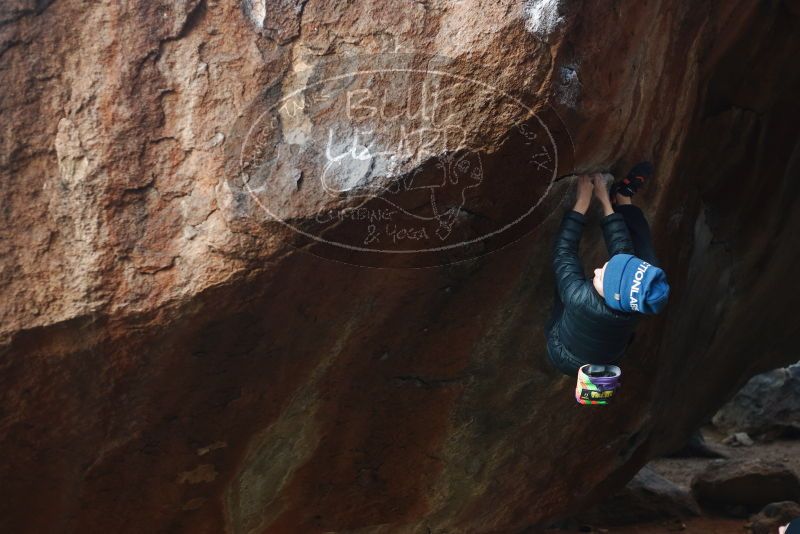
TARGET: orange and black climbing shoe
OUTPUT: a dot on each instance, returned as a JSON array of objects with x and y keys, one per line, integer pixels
[{"x": 638, "y": 175}]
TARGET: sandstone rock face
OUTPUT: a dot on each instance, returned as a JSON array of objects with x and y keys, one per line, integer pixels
[
  {"x": 175, "y": 359},
  {"x": 749, "y": 484}
]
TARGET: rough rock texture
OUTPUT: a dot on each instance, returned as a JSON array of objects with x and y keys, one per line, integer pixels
[
  {"x": 696, "y": 447},
  {"x": 768, "y": 406},
  {"x": 647, "y": 497},
  {"x": 738, "y": 439},
  {"x": 773, "y": 516},
  {"x": 170, "y": 361},
  {"x": 749, "y": 484}
]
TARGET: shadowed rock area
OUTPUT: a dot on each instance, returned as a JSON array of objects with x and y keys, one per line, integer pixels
[{"x": 174, "y": 360}]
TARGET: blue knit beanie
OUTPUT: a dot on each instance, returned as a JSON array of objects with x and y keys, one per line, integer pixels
[{"x": 630, "y": 284}]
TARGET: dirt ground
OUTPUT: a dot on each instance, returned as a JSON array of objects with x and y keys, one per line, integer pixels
[
  {"x": 681, "y": 470},
  {"x": 699, "y": 525}
]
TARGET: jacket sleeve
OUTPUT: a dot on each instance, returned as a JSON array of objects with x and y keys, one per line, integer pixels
[
  {"x": 566, "y": 263},
  {"x": 616, "y": 234}
]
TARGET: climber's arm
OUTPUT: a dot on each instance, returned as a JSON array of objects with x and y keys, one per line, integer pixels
[{"x": 566, "y": 262}]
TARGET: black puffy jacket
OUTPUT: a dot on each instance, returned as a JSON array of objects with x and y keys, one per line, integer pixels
[{"x": 588, "y": 328}]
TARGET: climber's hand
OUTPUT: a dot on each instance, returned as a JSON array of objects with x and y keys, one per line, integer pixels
[
  {"x": 584, "y": 193},
  {"x": 601, "y": 191},
  {"x": 600, "y": 187}
]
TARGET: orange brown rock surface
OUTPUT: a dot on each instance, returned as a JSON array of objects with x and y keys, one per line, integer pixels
[{"x": 170, "y": 362}]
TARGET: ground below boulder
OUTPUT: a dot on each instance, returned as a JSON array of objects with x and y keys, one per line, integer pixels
[
  {"x": 679, "y": 472},
  {"x": 745, "y": 486},
  {"x": 648, "y": 497},
  {"x": 772, "y": 516}
]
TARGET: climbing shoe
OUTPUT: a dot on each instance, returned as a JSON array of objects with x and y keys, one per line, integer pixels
[{"x": 638, "y": 175}]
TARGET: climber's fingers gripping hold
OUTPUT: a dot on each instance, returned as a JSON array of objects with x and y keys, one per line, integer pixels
[
  {"x": 601, "y": 186},
  {"x": 585, "y": 187},
  {"x": 601, "y": 182}
]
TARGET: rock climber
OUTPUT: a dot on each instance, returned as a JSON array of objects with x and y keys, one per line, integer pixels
[{"x": 593, "y": 320}]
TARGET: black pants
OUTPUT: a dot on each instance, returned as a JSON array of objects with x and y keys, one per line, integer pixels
[{"x": 643, "y": 248}]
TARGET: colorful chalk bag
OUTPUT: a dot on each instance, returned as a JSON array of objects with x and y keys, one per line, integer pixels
[{"x": 597, "y": 383}]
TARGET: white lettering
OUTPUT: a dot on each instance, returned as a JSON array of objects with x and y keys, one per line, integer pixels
[
  {"x": 635, "y": 286},
  {"x": 637, "y": 282}
]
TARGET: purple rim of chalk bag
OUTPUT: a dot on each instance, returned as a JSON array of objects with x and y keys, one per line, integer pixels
[{"x": 604, "y": 383}]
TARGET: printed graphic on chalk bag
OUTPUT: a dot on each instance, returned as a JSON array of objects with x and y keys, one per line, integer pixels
[{"x": 597, "y": 384}]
